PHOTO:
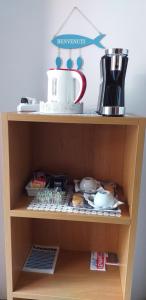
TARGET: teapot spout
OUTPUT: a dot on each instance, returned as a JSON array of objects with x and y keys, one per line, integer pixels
[{"x": 117, "y": 203}]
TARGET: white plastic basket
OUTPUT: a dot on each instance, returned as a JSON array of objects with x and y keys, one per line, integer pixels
[{"x": 32, "y": 192}]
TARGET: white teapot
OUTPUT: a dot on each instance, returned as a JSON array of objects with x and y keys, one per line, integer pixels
[{"x": 103, "y": 199}]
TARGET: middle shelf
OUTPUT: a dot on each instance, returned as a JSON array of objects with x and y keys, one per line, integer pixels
[{"x": 21, "y": 211}]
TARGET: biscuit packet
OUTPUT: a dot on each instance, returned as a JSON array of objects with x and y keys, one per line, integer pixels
[
  {"x": 112, "y": 259},
  {"x": 98, "y": 261}
]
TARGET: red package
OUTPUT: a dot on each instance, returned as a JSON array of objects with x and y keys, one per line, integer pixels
[{"x": 98, "y": 261}]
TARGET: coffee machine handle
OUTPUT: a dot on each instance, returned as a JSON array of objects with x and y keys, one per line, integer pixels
[{"x": 82, "y": 83}]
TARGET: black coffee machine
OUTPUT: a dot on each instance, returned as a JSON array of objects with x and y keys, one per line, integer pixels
[{"x": 113, "y": 67}]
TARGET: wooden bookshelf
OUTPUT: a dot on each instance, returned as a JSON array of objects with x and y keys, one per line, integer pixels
[{"x": 83, "y": 145}]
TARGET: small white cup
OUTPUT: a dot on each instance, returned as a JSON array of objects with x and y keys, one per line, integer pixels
[{"x": 89, "y": 185}]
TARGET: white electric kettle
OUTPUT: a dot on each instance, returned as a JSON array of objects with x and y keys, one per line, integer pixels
[{"x": 64, "y": 94}]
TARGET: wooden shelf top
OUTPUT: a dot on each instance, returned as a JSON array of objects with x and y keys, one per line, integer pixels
[
  {"x": 72, "y": 280},
  {"x": 22, "y": 211},
  {"x": 75, "y": 119}
]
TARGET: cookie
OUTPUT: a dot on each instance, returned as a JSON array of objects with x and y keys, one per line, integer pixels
[{"x": 77, "y": 200}]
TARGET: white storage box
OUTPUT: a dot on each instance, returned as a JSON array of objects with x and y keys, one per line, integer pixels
[{"x": 32, "y": 192}]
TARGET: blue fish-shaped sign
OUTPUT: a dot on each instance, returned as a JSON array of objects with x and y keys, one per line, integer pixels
[{"x": 73, "y": 41}]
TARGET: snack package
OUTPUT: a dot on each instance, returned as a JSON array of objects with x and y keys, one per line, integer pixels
[
  {"x": 77, "y": 200},
  {"x": 98, "y": 261},
  {"x": 39, "y": 180},
  {"x": 110, "y": 186},
  {"x": 112, "y": 259}
]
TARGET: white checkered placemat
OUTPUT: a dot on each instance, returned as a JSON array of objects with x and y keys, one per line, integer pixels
[{"x": 37, "y": 205}]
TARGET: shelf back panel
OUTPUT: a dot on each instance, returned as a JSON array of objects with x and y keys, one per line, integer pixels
[
  {"x": 79, "y": 236},
  {"x": 79, "y": 150}
]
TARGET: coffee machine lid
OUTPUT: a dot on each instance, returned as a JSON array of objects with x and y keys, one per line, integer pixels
[{"x": 119, "y": 51}]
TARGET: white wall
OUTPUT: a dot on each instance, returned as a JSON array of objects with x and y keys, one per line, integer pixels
[
  {"x": 2, "y": 259},
  {"x": 22, "y": 67},
  {"x": 26, "y": 28}
]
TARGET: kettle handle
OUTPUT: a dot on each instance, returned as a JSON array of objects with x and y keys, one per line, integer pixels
[{"x": 82, "y": 82}]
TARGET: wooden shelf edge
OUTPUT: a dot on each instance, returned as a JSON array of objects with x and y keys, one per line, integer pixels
[
  {"x": 21, "y": 295},
  {"x": 35, "y": 296},
  {"x": 22, "y": 212},
  {"x": 79, "y": 119}
]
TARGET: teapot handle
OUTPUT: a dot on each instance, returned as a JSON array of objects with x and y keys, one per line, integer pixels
[
  {"x": 88, "y": 200},
  {"x": 90, "y": 203},
  {"x": 82, "y": 82}
]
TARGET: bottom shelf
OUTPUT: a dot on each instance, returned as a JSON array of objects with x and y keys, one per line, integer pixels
[{"x": 72, "y": 280}]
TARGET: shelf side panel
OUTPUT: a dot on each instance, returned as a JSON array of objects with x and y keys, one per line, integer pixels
[
  {"x": 134, "y": 207},
  {"x": 20, "y": 158},
  {"x": 6, "y": 204},
  {"x": 129, "y": 158},
  {"x": 21, "y": 235},
  {"x": 131, "y": 140},
  {"x": 131, "y": 182}
]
